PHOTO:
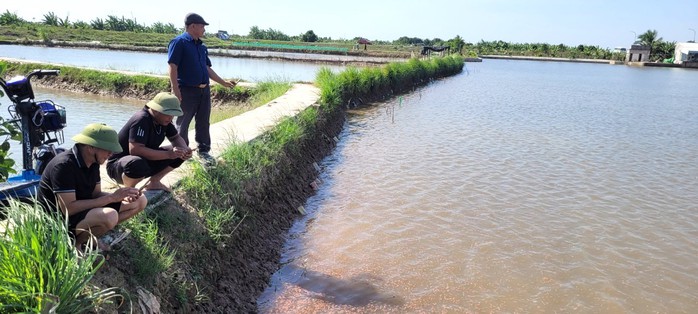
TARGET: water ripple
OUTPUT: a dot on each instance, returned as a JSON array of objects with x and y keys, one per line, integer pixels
[{"x": 517, "y": 188}]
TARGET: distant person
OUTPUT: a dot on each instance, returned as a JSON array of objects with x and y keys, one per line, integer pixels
[
  {"x": 71, "y": 184},
  {"x": 190, "y": 73},
  {"x": 140, "y": 155}
]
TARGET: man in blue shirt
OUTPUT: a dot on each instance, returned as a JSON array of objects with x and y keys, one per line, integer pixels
[{"x": 190, "y": 74}]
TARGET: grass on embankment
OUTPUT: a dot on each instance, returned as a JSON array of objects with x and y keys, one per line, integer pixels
[
  {"x": 219, "y": 198},
  {"x": 93, "y": 81},
  {"x": 153, "y": 255}
]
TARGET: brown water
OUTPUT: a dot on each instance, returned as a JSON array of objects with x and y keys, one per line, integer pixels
[{"x": 516, "y": 187}]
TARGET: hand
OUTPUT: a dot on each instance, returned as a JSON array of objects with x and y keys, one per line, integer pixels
[
  {"x": 126, "y": 194},
  {"x": 132, "y": 199},
  {"x": 183, "y": 152},
  {"x": 230, "y": 84}
]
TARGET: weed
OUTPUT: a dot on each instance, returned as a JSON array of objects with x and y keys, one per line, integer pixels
[
  {"x": 150, "y": 255},
  {"x": 40, "y": 268}
]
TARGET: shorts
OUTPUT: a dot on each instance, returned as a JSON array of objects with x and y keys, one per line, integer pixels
[
  {"x": 74, "y": 220},
  {"x": 136, "y": 167}
]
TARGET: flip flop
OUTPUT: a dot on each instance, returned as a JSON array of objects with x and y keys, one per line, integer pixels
[{"x": 158, "y": 187}]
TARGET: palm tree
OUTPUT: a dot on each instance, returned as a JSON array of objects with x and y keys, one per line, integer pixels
[
  {"x": 51, "y": 19},
  {"x": 665, "y": 50},
  {"x": 649, "y": 38},
  {"x": 456, "y": 44}
]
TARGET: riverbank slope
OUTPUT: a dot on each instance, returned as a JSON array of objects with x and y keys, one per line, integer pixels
[
  {"x": 226, "y": 271},
  {"x": 213, "y": 244}
]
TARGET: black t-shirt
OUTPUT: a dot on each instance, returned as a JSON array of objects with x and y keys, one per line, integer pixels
[
  {"x": 142, "y": 128},
  {"x": 67, "y": 172}
]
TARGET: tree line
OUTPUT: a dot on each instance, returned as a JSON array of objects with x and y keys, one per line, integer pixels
[
  {"x": 111, "y": 23},
  {"x": 660, "y": 49}
]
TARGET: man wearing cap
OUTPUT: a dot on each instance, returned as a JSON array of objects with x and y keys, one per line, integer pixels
[
  {"x": 140, "y": 140},
  {"x": 190, "y": 74},
  {"x": 71, "y": 184}
]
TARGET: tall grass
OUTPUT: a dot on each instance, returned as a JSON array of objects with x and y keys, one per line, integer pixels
[
  {"x": 151, "y": 255},
  {"x": 374, "y": 83},
  {"x": 40, "y": 270},
  {"x": 219, "y": 193}
]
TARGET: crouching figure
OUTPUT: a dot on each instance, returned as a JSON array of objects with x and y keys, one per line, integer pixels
[{"x": 71, "y": 184}]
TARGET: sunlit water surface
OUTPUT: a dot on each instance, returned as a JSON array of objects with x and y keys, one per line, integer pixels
[
  {"x": 81, "y": 110},
  {"x": 515, "y": 187},
  {"x": 249, "y": 69}
]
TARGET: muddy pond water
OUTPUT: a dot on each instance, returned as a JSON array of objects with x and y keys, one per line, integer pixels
[{"x": 514, "y": 187}]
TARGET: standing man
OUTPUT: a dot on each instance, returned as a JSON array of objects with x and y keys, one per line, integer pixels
[
  {"x": 140, "y": 155},
  {"x": 71, "y": 185},
  {"x": 190, "y": 74}
]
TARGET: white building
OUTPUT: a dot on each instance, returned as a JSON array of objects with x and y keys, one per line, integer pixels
[{"x": 685, "y": 51}]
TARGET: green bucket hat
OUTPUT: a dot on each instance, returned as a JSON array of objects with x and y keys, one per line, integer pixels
[
  {"x": 166, "y": 103},
  {"x": 99, "y": 135}
]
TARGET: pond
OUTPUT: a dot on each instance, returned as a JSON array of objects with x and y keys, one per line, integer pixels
[{"x": 514, "y": 187}]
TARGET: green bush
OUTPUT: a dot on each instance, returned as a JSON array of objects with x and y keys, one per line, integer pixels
[
  {"x": 40, "y": 268},
  {"x": 7, "y": 131}
]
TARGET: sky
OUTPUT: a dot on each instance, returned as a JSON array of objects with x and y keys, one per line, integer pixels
[{"x": 604, "y": 23}]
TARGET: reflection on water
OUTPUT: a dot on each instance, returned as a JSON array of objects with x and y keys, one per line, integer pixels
[
  {"x": 156, "y": 63},
  {"x": 356, "y": 291},
  {"x": 518, "y": 186}
]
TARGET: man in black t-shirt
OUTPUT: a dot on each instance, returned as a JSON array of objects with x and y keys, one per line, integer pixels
[
  {"x": 140, "y": 140},
  {"x": 71, "y": 184}
]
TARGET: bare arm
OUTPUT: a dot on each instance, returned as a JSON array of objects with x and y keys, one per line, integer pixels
[
  {"x": 214, "y": 76},
  {"x": 173, "y": 81},
  {"x": 67, "y": 202},
  {"x": 182, "y": 150},
  {"x": 139, "y": 149}
]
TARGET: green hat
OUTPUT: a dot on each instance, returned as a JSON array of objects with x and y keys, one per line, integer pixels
[
  {"x": 99, "y": 135},
  {"x": 166, "y": 103}
]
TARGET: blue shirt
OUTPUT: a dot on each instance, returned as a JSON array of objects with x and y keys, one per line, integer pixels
[{"x": 191, "y": 58}]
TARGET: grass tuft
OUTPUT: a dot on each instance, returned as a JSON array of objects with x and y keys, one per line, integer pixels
[{"x": 40, "y": 268}]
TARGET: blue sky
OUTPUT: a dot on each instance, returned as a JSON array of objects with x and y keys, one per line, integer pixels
[{"x": 607, "y": 23}]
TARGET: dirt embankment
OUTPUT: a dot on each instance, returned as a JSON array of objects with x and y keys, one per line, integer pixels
[
  {"x": 68, "y": 84},
  {"x": 356, "y": 57},
  {"x": 230, "y": 276}
]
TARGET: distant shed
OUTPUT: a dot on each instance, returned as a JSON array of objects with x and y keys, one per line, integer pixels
[{"x": 638, "y": 53}]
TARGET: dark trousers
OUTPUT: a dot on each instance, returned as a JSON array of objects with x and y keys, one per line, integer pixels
[{"x": 196, "y": 104}]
